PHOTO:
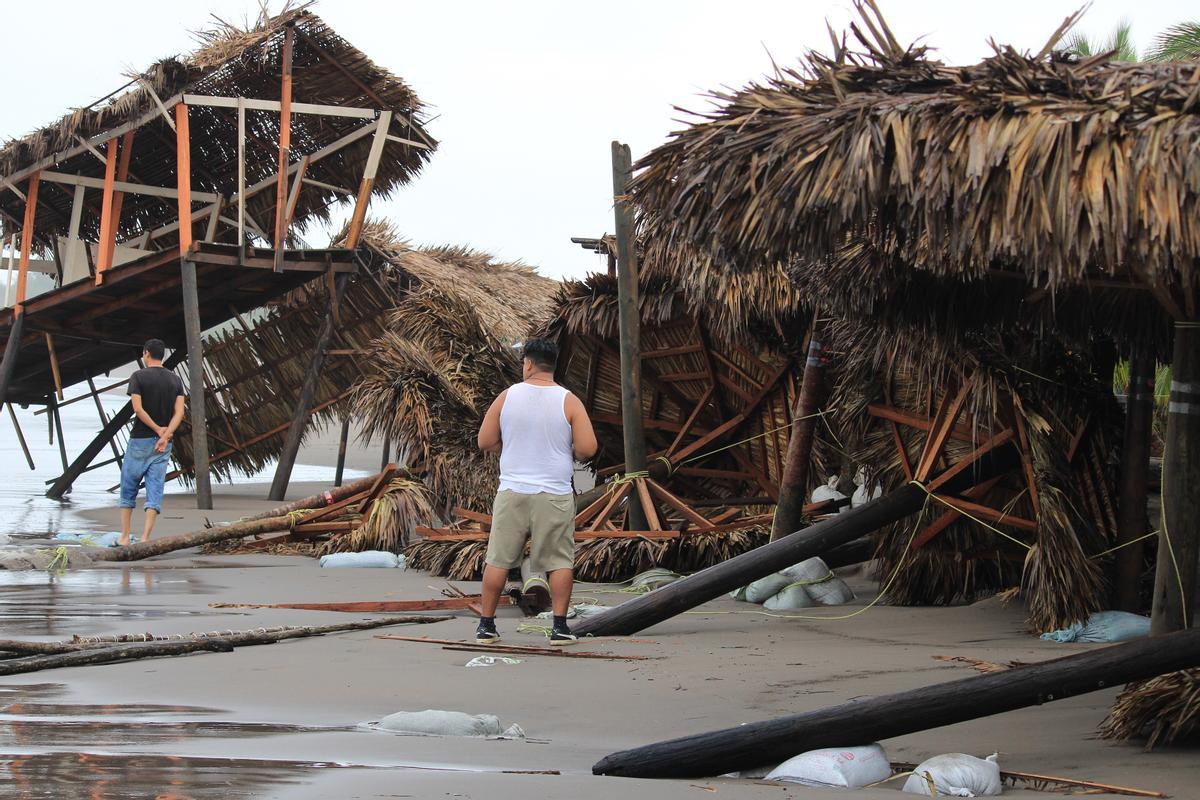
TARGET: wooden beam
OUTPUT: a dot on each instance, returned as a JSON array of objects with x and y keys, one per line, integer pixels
[
  {"x": 948, "y": 516},
  {"x": 987, "y": 513},
  {"x": 647, "y": 504},
  {"x": 183, "y": 162},
  {"x": 944, "y": 422},
  {"x": 689, "y": 424},
  {"x": 1003, "y": 437},
  {"x": 125, "y": 186},
  {"x": 368, "y": 180},
  {"x": 294, "y": 195},
  {"x": 285, "y": 145},
  {"x": 26, "y": 243},
  {"x": 107, "y": 234},
  {"x": 674, "y": 502},
  {"x": 119, "y": 196},
  {"x": 252, "y": 104},
  {"x": 614, "y": 498},
  {"x": 58, "y": 387}
]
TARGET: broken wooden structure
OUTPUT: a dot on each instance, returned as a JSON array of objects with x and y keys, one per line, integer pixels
[{"x": 177, "y": 203}]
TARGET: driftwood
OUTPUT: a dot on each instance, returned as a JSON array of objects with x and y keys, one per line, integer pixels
[
  {"x": 80, "y": 653},
  {"x": 169, "y": 544},
  {"x": 883, "y": 717},
  {"x": 514, "y": 649}
]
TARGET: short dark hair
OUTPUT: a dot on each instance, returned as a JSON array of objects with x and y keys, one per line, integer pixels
[
  {"x": 156, "y": 348},
  {"x": 542, "y": 352}
]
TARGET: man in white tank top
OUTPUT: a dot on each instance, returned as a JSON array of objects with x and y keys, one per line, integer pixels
[{"x": 540, "y": 430}]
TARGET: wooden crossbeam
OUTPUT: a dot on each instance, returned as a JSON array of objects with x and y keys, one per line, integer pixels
[
  {"x": 943, "y": 426},
  {"x": 689, "y": 424},
  {"x": 252, "y": 104},
  {"x": 987, "y": 513},
  {"x": 948, "y": 516},
  {"x": 674, "y": 502},
  {"x": 126, "y": 187},
  {"x": 607, "y": 509},
  {"x": 647, "y": 504},
  {"x": 1001, "y": 438}
]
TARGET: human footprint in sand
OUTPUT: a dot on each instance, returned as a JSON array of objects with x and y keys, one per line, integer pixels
[{"x": 157, "y": 397}]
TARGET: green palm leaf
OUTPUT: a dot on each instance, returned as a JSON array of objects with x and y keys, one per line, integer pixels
[{"x": 1177, "y": 43}]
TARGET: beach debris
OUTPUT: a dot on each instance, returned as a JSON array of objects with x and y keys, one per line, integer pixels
[
  {"x": 47, "y": 558},
  {"x": 374, "y": 606},
  {"x": 82, "y": 652},
  {"x": 889, "y": 715},
  {"x": 956, "y": 775},
  {"x": 491, "y": 661},
  {"x": 515, "y": 649},
  {"x": 367, "y": 559},
  {"x": 109, "y": 539},
  {"x": 435, "y": 722},
  {"x": 1103, "y": 626},
  {"x": 835, "y": 767},
  {"x": 1048, "y": 783},
  {"x": 1163, "y": 709},
  {"x": 979, "y": 664}
]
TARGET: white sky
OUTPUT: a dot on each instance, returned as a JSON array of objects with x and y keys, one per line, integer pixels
[{"x": 528, "y": 93}]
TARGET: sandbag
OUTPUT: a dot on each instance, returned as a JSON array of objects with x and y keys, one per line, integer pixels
[
  {"x": 653, "y": 579},
  {"x": 864, "y": 491},
  {"x": 433, "y": 722},
  {"x": 840, "y": 767},
  {"x": 739, "y": 594},
  {"x": 829, "y": 491},
  {"x": 790, "y": 597},
  {"x": 821, "y": 585},
  {"x": 1103, "y": 626},
  {"x": 956, "y": 775},
  {"x": 765, "y": 588},
  {"x": 365, "y": 559},
  {"x": 109, "y": 539}
]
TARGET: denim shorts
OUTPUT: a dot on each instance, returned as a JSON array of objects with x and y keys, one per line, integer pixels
[{"x": 142, "y": 463}]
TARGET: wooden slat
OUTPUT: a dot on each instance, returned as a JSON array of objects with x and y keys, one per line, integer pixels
[
  {"x": 673, "y": 351},
  {"x": 674, "y": 502},
  {"x": 989, "y": 514},
  {"x": 607, "y": 509},
  {"x": 948, "y": 516},
  {"x": 1001, "y": 438},
  {"x": 946, "y": 418},
  {"x": 647, "y": 505}
]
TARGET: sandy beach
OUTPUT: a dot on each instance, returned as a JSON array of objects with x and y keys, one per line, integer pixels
[{"x": 278, "y": 720}]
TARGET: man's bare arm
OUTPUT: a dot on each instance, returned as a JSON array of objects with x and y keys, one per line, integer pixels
[
  {"x": 176, "y": 418},
  {"x": 136, "y": 400},
  {"x": 489, "y": 431},
  {"x": 583, "y": 437}
]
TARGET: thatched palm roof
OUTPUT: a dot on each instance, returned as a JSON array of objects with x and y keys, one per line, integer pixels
[
  {"x": 1054, "y": 171},
  {"x": 231, "y": 62}
]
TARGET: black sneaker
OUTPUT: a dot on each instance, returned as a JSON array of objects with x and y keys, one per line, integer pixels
[
  {"x": 562, "y": 635},
  {"x": 486, "y": 633}
]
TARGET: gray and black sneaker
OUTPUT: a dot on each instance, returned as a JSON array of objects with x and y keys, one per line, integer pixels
[
  {"x": 486, "y": 633},
  {"x": 561, "y": 634}
]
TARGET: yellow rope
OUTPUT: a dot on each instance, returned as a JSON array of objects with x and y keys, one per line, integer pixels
[
  {"x": 1125, "y": 544},
  {"x": 969, "y": 516},
  {"x": 1162, "y": 480}
]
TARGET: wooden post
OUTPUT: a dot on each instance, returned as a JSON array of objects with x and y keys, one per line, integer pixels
[
  {"x": 241, "y": 162},
  {"x": 630, "y": 324},
  {"x": 104, "y": 420},
  {"x": 54, "y": 371},
  {"x": 52, "y": 404},
  {"x": 865, "y": 720},
  {"x": 794, "y": 483},
  {"x": 27, "y": 240},
  {"x": 1179, "y": 533},
  {"x": 191, "y": 313},
  {"x": 11, "y": 350},
  {"x": 341, "y": 457},
  {"x": 8, "y": 283},
  {"x": 107, "y": 233},
  {"x": 295, "y": 431},
  {"x": 20, "y": 436},
  {"x": 285, "y": 147},
  {"x": 1135, "y": 459},
  {"x": 368, "y": 180}
]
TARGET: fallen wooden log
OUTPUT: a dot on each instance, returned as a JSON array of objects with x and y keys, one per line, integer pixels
[
  {"x": 321, "y": 500},
  {"x": 106, "y": 655},
  {"x": 232, "y": 638},
  {"x": 369, "y": 606},
  {"x": 513, "y": 649},
  {"x": 868, "y": 720},
  {"x": 675, "y": 598},
  {"x": 169, "y": 544}
]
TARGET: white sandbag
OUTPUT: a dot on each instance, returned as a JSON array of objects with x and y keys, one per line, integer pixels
[
  {"x": 653, "y": 579},
  {"x": 956, "y": 775},
  {"x": 739, "y": 594},
  {"x": 864, "y": 491},
  {"x": 829, "y": 492},
  {"x": 432, "y": 722},
  {"x": 841, "y": 767},
  {"x": 822, "y": 586},
  {"x": 365, "y": 559},
  {"x": 109, "y": 539},
  {"x": 1103, "y": 626},
  {"x": 790, "y": 597},
  {"x": 491, "y": 661},
  {"x": 765, "y": 588}
]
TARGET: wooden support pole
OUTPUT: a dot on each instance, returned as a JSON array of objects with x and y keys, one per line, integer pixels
[
  {"x": 12, "y": 415},
  {"x": 241, "y": 173},
  {"x": 865, "y": 720},
  {"x": 368, "y": 180},
  {"x": 12, "y": 349},
  {"x": 108, "y": 233},
  {"x": 630, "y": 326},
  {"x": 793, "y": 485},
  {"x": 103, "y": 419},
  {"x": 295, "y": 431},
  {"x": 27, "y": 241},
  {"x": 1135, "y": 461},
  {"x": 191, "y": 313},
  {"x": 58, "y": 387},
  {"x": 341, "y": 456},
  {"x": 58, "y": 429},
  {"x": 285, "y": 146},
  {"x": 1175, "y": 584}
]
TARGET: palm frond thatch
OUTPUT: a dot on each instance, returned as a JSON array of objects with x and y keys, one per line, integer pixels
[
  {"x": 389, "y": 523},
  {"x": 1164, "y": 710}
]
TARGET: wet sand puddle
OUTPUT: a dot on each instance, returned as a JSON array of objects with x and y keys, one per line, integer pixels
[
  {"x": 41, "y": 603},
  {"x": 34, "y": 761}
]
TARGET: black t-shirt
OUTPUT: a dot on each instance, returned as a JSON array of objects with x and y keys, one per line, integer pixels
[{"x": 158, "y": 387}]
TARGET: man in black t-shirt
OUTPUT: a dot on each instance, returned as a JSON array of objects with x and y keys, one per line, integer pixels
[{"x": 157, "y": 396}]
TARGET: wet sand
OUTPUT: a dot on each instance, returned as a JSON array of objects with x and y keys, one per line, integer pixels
[{"x": 278, "y": 720}]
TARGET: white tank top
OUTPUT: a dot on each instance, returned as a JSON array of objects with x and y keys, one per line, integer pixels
[{"x": 537, "y": 453}]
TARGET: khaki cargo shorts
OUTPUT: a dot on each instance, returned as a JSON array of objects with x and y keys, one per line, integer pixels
[{"x": 547, "y": 520}]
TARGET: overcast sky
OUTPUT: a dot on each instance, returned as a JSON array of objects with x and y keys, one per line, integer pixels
[{"x": 527, "y": 94}]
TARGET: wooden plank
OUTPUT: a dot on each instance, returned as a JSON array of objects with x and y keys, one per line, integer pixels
[
  {"x": 676, "y": 377},
  {"x": 126, "y": 187},
  {"x": 947, "y": 517},
  {"x": 523, "y": 650},
  {"x": 241, "y": 172},
  {"x": 989, "y": 514},
  {"x": 591, "y": 510},
  {"x": 647, "y": 505},
  {"x": 607, "y": 509},
  {"x": 107, "y": 234},
  {"x": 26, "y": 243},
  {"x": 254, "y": 104},
  {"x": 901, "y": 450},
  {"x": 673, "y": 351},
  {"x": 183, "y": 170},
  {"x": 683, "y": 508},
  {"x": 58, "y": 387},
  {"x": 946, "y": 418},
  {"x": 1000, "y": 439},
  {"x": 960, "y": 433},
  {"x": 335, "y": 509},
  {"x": 285, "y": 146},
  {"x": 119, "y": 196},
  {"x": 368, "y": 180},
  {"x": 381, "y": 483}
]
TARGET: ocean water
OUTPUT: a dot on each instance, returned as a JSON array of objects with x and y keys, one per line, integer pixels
[{"x": 24, "y": 508}]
